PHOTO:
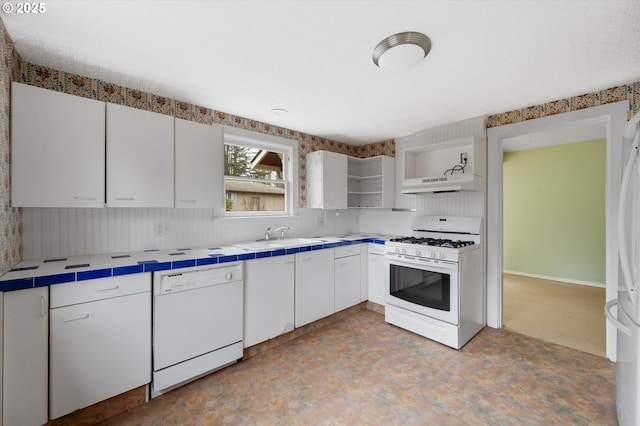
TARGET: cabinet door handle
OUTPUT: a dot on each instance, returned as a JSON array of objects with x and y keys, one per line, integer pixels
[
  {"x": 85, "y": 197},
  {"x": 43, "y": 303},
  {"x": 342, "y": 264},
  {"x": 81, "y": 317},
  {"x": 305, "y": 259},
  {"x": 125, "y": 198},
  {"x": 189, "y": 201},
  {"x": 288, "y": 262},
  {"x": 115, "y": 287}
]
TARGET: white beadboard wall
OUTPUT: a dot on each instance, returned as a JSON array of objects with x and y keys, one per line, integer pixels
[
  {"x": 386, "y": 222},
  {"x": 465, "y": 203},
  {"x": 49, "y": 232}
]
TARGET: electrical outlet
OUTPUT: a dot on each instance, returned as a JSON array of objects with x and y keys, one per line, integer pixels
[
  {"x": 162, "y": 228},
  {"x": 464, "y": 157}
]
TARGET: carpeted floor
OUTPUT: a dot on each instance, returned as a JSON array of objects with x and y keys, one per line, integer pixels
[{"x": 361, "y": 370}]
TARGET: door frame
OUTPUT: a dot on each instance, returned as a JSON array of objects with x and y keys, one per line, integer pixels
[{"x": 614, "y": 116}]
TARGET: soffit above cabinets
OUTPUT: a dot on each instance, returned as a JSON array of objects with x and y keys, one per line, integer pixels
[{"x": 314, "y": 58}]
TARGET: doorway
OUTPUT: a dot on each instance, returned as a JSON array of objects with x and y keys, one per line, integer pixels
[
  {"x": 554, "y": 236},
  {"x": 614, "y": 118}
]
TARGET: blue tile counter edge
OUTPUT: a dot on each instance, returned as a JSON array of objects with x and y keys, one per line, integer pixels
[{"x": 46, "y": 278}]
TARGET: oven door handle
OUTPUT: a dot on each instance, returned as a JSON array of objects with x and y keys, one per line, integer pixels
[{"x": 442, "y": 265}]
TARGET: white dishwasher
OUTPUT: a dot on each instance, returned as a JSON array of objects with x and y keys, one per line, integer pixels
[{"x": 197, "y": 323}]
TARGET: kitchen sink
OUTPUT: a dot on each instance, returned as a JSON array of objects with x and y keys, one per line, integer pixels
[{"x": 276, "y": 243}]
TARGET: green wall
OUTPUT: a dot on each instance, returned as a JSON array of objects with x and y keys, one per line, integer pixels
[{"x": 554, "y": 211}]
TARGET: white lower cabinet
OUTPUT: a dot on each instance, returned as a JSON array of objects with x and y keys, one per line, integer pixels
[
  {"x": 314, "y": 286},
  {"x": 364, "y": 272},
  {"x": 25, "y": 357},
  {"x": 377, "y": 274},
  {"x": 100, "y": 340},
  {"x": 268, "y": 298},
  {"x": 347, "y": 276}
]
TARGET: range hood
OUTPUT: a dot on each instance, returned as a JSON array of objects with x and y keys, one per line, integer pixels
[{"x": 449, "y": 183}]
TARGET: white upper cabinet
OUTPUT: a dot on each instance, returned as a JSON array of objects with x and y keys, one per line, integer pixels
[
  {"x": 57, "y": 149},
  {"x": 326, "y": 180},
  {"x": 199, "y": 165},
  {"x": 140, "y": 158}
]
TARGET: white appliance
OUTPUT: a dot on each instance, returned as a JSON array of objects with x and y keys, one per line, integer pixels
[
  {"x": 628, "y": 319},
  {"x": 434, "y": 279},
  {"x": 197, "y": 323}
]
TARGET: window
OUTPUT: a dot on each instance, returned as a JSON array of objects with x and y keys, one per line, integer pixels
[{"x": 258, "y": 174}]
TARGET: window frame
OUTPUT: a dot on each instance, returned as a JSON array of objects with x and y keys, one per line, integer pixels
[{"x": 288, "y": 147}]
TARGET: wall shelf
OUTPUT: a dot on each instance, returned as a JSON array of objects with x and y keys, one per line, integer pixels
[
  {"x": 337, "y": 181},
  {"x": 370, "y": 182}
]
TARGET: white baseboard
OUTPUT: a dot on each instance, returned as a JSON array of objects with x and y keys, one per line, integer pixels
[{"x": 564, "y": 280}]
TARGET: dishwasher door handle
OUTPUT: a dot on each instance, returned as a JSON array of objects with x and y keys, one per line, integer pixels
[
  {"x": 115, "y": 287},
  {"x": 81, "y": 317}
]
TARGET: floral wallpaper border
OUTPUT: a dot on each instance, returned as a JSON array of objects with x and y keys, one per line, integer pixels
[{"x": 629, "y": 91}]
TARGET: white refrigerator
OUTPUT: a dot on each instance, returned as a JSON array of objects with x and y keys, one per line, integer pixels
[{"x": 628, "y": 302}]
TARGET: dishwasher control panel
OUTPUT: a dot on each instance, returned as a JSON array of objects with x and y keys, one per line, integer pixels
[{"x": 167, "y": 282}]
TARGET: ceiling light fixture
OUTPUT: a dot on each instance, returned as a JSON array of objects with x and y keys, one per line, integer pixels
[
  {"x": 402, "y": 51},
  {"x": 280, "y": 112}
]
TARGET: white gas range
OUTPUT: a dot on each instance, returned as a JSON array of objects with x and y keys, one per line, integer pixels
[{"x": 435, "y": 284}]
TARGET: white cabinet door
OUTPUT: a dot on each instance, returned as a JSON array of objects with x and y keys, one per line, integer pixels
[
  {"x": 199, "y": 165},
  {"x": 314, "y": 286},
  {"x": 99, "y": 349},
  {"x": 25, "y": 361},
  {"x": 140, "y": 166},
  {"x": 326, "y": 180},
  {"x": 268, "y": 298},
  {"x": 377, "y": 275},
  {"x": 347, "y": 282},
  {"x": 364, "y": 272},
  {"x": 57, "y": 149}
]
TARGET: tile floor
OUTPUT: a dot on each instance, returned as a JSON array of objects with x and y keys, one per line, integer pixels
[{"x": 360, "y": 370}]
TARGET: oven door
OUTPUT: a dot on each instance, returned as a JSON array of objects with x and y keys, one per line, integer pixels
[{"x": 429, "y": 288}]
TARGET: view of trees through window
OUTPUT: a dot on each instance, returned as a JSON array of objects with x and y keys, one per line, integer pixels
[{"x": 254, "y": 179}]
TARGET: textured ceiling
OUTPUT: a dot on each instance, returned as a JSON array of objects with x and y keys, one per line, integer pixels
[{"x": 313, "y": 58}]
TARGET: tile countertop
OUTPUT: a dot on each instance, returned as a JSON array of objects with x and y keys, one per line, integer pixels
[{"x": 45, "y": 272}]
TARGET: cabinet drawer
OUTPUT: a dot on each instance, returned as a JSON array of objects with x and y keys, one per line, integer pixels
[
  {"x": 376, "y": 248},
  {"x": 98, "y": 289},
  {"x": 344, "y": 251}
]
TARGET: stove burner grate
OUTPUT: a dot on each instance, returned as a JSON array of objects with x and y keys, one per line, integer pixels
[{"x": 436, "y": 242}]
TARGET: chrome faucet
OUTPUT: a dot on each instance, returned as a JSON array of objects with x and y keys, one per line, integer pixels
[{"x": 281, "y": 229}]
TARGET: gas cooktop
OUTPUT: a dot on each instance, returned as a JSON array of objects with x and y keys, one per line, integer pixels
[{"x": 434, "y": 242}]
